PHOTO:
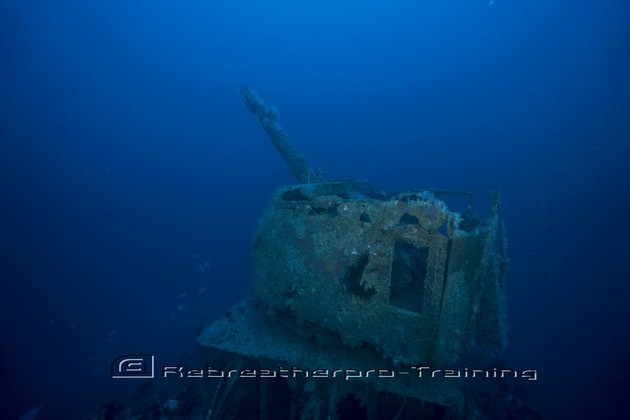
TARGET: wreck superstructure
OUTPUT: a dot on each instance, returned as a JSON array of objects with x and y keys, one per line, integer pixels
[
  {"x": 400, "y": 273},
  {"x": 346, "y": 277}
]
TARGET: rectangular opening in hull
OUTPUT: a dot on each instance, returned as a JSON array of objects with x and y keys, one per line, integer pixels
[{"x": 409, "y": 270}]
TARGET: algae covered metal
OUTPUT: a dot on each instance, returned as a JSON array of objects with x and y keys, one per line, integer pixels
[{"x": 399, "y": 272}]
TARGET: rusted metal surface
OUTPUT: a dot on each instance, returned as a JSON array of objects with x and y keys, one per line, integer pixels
[{"x": 397, "y": 272}]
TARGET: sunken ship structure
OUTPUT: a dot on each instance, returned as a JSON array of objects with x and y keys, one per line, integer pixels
[{"x": 363, "y": 305}]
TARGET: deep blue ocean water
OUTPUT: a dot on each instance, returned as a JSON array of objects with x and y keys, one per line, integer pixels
[{"x": 132, "y": 177}]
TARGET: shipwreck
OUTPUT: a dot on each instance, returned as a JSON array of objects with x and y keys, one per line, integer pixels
[{"x": 354, "y": 295}]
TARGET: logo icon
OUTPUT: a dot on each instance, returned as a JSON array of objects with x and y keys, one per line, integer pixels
[{"x": 138, "y": 366}]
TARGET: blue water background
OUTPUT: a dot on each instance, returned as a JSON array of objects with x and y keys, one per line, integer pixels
[{"x": 132, "y": 177}]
